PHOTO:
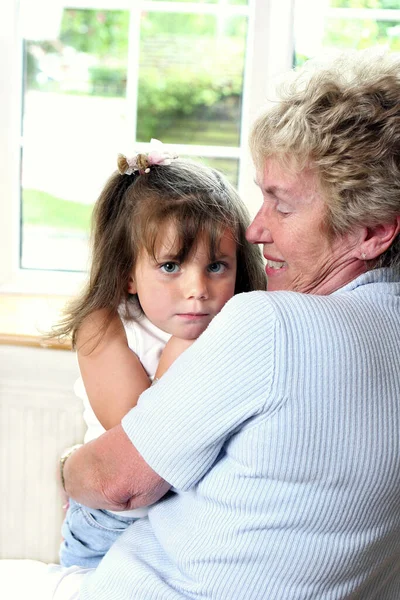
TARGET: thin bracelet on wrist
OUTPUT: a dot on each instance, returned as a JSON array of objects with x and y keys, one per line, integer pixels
[{"x": 63, "y": 459}]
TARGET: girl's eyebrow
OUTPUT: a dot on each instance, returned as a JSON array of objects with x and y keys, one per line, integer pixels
[
  {"x": 221, "y": 257},
  {"x": 165, "y": 256},
  {"x": 161, "y": 257}
]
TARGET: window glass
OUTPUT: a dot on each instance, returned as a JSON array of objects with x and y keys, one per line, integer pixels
[
  {"x": 191, "y": 78},
  {"x": 74, "y": 119},
  {"x": 345, "y": 24},
  {"x": 362, "y": 33},
  {"x": 365, "y": 4},
  {"x": 190, "y": 1},
  {"x": 228, "y": 166},
  {"x": 78, "y": 112}
]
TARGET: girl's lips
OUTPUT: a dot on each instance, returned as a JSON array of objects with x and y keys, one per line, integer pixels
[{"x": 192, "y": 316}]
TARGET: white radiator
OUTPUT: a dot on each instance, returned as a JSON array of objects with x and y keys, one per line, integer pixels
[{"x": 39, "y": 418}]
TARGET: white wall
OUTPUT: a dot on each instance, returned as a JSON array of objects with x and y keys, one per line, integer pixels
[{"x": 39, "y": 418}]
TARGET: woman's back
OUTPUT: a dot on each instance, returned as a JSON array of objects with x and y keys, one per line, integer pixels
[{"x": 302, "y": 500}]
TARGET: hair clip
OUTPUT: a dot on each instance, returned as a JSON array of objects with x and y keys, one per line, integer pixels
[{"x": 142, "y": 162}]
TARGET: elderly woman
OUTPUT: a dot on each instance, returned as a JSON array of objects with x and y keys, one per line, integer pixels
[{"x": 279, "y": 428}]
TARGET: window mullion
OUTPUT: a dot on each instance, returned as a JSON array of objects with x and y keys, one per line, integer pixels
[
  {"x": 132, "y": 81},
  {"x": 269, "y": 54}
]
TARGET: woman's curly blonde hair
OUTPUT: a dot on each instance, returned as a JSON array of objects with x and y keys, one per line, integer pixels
[{"x": 343, "y": 121}]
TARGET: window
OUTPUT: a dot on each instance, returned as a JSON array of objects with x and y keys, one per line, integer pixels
[
  {"x": 86, "y": 79},
  {"x": 345, "y": 24},
  {"x": 97, "y": 78},
  {"x": 110, "y": 79}
]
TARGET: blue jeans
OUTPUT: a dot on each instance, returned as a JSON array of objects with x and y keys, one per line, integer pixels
[{"x": 88, "y": 533}]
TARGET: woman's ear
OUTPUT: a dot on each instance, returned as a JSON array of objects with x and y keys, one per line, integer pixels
[
  {"x": 379, "y": 238},
  {"x": 131, "y": 286}
]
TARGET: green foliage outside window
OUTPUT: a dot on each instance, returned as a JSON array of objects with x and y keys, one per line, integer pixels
[
  {"x": 168, "y": 89},
  {"x": 173, "y": 99},
  {"x": 351, "y": 33},
  {"x": 186, "y": 68},
  {"x": 102, "y": 33},
  {"x": 359, "y": 34},
  {"x": 390, "y": 4}
]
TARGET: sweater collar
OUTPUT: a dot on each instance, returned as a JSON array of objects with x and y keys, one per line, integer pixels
[{"x": 382, "y": 275}]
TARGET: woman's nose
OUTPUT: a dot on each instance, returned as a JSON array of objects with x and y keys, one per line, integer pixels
[{"x": 258, "y": 231}]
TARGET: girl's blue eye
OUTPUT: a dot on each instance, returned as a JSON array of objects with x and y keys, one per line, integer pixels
[
  {"x": 216, "y": 267},
  {"x": 169, "y": 267}
]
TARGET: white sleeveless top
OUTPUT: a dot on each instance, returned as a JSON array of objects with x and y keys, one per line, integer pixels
[{"x": 147, "y": 341}]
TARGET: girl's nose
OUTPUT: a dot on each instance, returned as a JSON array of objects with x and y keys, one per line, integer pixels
[{"x": 196, "y": 286}]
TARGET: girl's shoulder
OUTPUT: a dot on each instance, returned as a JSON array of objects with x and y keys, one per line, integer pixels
[{"x": 140, "y": 331}]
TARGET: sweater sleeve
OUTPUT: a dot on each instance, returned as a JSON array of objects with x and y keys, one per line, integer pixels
[{"x": 225, "y": 379}]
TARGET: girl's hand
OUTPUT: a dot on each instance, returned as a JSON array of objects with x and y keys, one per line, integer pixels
[{"x": 174, "y": 348}]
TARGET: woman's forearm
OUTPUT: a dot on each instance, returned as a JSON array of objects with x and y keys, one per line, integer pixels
[{"x": 110, "y": 473}]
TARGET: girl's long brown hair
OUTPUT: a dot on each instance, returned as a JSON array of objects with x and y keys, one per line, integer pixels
[{"x": 128, "y": 218}]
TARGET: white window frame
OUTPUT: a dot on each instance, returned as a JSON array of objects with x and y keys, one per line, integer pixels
[{"x": 269, "y": 53}]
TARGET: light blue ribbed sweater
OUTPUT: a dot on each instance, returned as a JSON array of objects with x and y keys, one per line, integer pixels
[{"x": 280, "y": 430}]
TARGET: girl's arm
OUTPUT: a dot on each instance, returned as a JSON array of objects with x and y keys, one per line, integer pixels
[
  {"x": 112, "y": 374},
  {"x": 174, "y": 348}
]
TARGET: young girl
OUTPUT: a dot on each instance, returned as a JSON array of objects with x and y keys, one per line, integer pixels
[{"x": 169, "y": 250}]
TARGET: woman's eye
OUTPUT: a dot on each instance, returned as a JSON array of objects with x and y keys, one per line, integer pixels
[
  {"x": 216, "y": 267},
  {"x": 169, "y": 267},
  {"x": 283, "y": 210}
]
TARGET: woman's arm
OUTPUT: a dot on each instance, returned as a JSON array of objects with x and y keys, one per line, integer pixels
[
  {"x": 112, "y": 374},
  {"x": 182, "y": 423},
  {"x": 110, "y": 473}
]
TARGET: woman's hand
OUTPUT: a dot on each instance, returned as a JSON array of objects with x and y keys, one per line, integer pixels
[{"x": 110, "y": 473}]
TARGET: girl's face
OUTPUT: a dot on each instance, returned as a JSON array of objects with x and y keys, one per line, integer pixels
[{"x": 182, "y": 298}]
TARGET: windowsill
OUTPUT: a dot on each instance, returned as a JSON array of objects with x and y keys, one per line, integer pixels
[{"x": 25, "y": 318}]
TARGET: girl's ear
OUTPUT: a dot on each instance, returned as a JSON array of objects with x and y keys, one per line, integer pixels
[{"x": 131, "y": 286}]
